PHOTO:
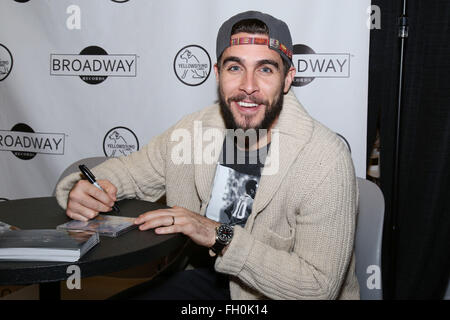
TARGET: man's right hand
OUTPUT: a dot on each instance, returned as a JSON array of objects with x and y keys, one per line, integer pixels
[{"x": 86, "y": 201}]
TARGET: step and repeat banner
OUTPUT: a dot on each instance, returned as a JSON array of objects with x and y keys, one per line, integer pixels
[{"x": 84, "y": 78}]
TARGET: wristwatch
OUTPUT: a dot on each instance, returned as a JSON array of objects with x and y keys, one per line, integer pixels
[{"x": 224, "y": 234}]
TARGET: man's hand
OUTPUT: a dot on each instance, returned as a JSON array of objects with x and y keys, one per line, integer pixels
[
  {"x": 200, "y": 229},
  {"x": 86, "y": 200}
]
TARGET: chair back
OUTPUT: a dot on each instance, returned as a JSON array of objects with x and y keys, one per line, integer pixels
[
  {"x": 368, "y": 241},
  {"x": 447, "y": 292},
  {"x": 89, "y": 162}
]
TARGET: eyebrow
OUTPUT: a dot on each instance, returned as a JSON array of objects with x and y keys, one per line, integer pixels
[
  {"x": 270, "y": 62},
  {"x": 231, "y": 59},
  {"x": 259, "y": 63}
]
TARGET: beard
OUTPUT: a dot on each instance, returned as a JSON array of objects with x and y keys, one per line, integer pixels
[{"x": 271, "y": 112}]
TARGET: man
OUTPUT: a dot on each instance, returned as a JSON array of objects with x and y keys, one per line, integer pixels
[{"x": 297, "y": 242}]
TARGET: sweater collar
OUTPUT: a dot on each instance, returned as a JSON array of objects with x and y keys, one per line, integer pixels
[
  {"x": 294, "y": 129},
  {"x": 293, "y": 121}
]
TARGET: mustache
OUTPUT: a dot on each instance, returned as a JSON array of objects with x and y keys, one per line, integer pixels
[{"x": 243, "y": 96}]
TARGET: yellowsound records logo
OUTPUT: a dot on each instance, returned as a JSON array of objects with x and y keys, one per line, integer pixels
[
  {"x": 120, "y": 141},
  {"x": 6, "y": 62},
  {"x": 192, "y": 65}
]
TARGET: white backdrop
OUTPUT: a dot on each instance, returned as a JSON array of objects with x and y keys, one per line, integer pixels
[{"x": 82, "y": 78}]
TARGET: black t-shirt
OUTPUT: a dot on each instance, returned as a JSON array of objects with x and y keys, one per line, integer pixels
[
  {"x": 234, "y": 188},
  {"x": 235, "y": 183}
]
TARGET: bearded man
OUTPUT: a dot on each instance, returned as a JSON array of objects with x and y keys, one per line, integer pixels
[{"x": 296, "y": 242}]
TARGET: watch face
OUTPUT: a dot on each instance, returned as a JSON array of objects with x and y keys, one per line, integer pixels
[{"x": 225, "y": 233}]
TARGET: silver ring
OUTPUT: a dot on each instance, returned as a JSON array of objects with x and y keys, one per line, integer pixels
[{"x": 173, "y": 220}]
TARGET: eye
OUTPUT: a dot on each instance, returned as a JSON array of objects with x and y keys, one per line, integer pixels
[
  {"x": 233, "y": 68},
  {"x": 266, "y": 70}
]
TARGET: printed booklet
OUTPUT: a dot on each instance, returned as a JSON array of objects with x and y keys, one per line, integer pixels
[
  {"x": 46, "y": 244},
  {"x": 105, "y": 225}
]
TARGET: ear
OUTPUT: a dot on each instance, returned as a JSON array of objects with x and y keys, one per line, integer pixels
[
  {"x": 216, "y": 72},
  {"x": 288, "y": 80}
]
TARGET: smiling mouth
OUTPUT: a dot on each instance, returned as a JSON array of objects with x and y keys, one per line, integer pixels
[
  {"x": 247, "y": 107},
  {"x": 247, "y": 104}
]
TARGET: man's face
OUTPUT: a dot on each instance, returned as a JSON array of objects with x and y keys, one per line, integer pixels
[{"x": 251, "y": 85}]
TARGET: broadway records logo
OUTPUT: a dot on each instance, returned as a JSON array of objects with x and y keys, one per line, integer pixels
[
  {"x": 93, "y": 65},
  {"x": 311, "y": 65},
  {"x": 24, "y": 143},
  {"x": 120, "y": 141},
  {"x": 6, "y": 62},
  {"x": 192, "y": 65}
]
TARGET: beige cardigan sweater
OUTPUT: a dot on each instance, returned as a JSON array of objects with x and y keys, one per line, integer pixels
[{"x": 298, "y": 240}]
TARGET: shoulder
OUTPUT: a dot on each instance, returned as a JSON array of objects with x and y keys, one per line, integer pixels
[
  {"x": 207, "y": 117},
  {"x": 323, "y": 152},
  {"x": 314, "y": 140},
  {"x": 297, "y": 124},
  {"x": 326, "y": 151},
  {"x": 188, "y": 122},
  {"x": 187, "y": 128},
  {"x": 327, "y": 140},
  {"x": 325, "y": 164}
]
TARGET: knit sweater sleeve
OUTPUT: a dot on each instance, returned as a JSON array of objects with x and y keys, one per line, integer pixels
[
  {"x": 140, "y": 175},
  {"x": 317, "y": 265}
]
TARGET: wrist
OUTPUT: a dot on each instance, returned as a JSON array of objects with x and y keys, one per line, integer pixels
[
  {"x": 213, "y": 234},
  {"x": 224, "y": 235}
]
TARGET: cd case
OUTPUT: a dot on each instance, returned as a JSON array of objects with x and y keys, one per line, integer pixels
[
  {"x": 7, "y": 227},
  {"x": 105, "y": 225},
  {"x": 46, "y": 244}
]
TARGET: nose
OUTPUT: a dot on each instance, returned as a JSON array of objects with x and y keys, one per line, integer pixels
[{"x": 248, "y": 83}]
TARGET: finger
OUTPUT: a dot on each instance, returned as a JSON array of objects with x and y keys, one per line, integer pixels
[
  {"x": 76, "y": 216},
  {"x": 154, "y": 214},
  {"x": 100, "y": 196},
  {"x": 95, "y": 205},
  {"x": 109, "y": 188},
  {"x": 83, "y": 188},
  {"x": 158, "y": 222},
  {"x": 76, "y": 208},
  {"x": 80, "y": 197},
  {"x": 169, "y": 229}
]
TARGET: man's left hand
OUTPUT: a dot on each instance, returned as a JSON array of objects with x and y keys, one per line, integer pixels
[{"x": 177, "y": 219}]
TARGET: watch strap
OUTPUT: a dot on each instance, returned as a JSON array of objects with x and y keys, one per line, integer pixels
[{"x": 218, "y": 247}]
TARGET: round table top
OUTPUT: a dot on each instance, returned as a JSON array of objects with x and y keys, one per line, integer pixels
[{"x": 132, "y": 248}]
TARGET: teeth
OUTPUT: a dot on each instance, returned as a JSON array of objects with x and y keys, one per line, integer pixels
[{"x": 247, "y": 105}]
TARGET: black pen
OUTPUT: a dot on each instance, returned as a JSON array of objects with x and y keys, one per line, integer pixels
[{"x": 88, "y": 174}]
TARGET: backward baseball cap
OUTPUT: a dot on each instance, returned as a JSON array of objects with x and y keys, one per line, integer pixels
[{"x": 279, "y": 35}]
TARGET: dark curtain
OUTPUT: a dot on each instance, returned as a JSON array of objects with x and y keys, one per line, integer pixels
[
  {"x": 382, "y": 106},
  {"x": 416, "y": 244}
]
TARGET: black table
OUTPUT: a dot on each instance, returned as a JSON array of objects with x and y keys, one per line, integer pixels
[{"x": 130, "y": 249}]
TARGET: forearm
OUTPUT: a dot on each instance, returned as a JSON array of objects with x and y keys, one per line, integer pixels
[
  {"x": 313, "y": 262},
  {"x": 275, "y": 273},
  {"x": 140, "y": 175}
]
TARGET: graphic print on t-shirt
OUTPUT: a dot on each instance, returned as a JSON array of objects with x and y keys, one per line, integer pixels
[
  {"x": 232, "y": 196},
  {"x": 235, "y": 183}
]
